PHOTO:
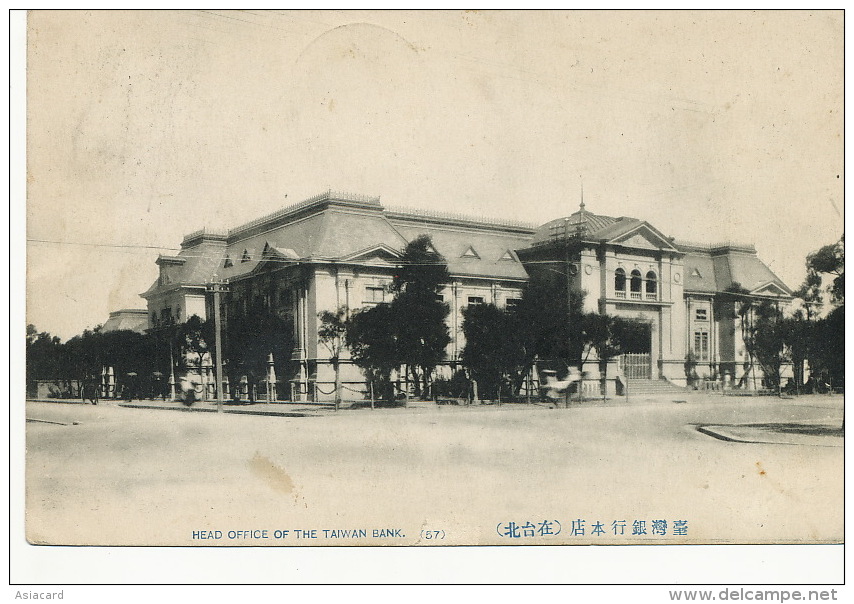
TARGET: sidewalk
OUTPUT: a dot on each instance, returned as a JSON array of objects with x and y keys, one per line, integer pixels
[
  {"x": 818, "y": 435},
  {"x": 278, "y": 409}
]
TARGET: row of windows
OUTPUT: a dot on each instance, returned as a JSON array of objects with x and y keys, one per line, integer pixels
[
  {"x": 375, "y": 295},
  {"x": 635, "y": 282}
]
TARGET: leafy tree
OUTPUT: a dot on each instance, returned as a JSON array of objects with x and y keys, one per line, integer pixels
[
  {"x": 830, "y": 260},
  {"x": 43, "y": 355},
  {"x": 418, "y": 316},
  {"x": 85, "y": 355},
  {"x": 810, "y": 293},
  {"x": 743, "y": 305},
  {"x": 332, "y": 334},
  {"x": 133, "y": 358},
  {"x": 495, "y": 352},
  {"x": 768, "y": 340},
  {"x": 551, "y": 324},
  {"x": 373, "y": 344},
  {"x": 132, "y": 355},
  {"x": 249, "y": 340},
  {"x": 195, "y": 338},
  {"x": 798, "y": 341},
  {"x": 827, "y": 359},
  {"x": 822, "y": 341}
]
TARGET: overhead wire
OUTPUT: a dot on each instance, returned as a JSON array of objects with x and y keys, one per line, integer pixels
[{"x": 196, "y": 255}]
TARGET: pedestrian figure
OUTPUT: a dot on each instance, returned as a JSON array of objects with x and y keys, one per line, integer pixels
[
  {"x": 90, "y": 390},
  {"x": 190, "y": 397}
]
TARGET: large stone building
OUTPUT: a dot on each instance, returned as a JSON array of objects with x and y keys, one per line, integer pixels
[
  {"x": 340, "y": 250},
  {"x": 628, "y": 268}
]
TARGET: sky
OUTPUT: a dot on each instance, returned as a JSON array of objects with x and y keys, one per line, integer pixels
[{"x": 145, "y": 126}]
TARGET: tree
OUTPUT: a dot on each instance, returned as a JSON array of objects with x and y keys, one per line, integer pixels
[
  {"x": 798, "y": 341},
  {"x": 417, "y": 313},
  {"x": 43, "y": 355},
  {"x": 373, "y": 344},
  {"x": 821, "y": 341},
  {"x": 743, "y": 306},
  {"x": 84, "y": 356},
  {"x": 194, "y": 338},
  {"x": 768, "y": 339},
  {"x": 495, "y": 353},
  {"x": 332, "y": 334},
  {"x": 827, "y": 359},
  {"x": 810, "y": 293},
  {"x": 133, "y": 357},
  {"x": 251, "y": 337},
  {"x": 551, "y": 323},
  {"x": 830, "y": 260}
]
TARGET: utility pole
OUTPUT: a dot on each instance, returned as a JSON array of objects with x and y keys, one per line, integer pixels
[
  {"x": 566, "y": 242},
  {"x": 217, "y": 287}
]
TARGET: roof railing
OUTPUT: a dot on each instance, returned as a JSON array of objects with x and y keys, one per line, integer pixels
[
  {"x": 708, "y": 247},
  {"x": 327, "y": 195},
  {"x": 421, "y": 213},
  {"x": 206, "y": 231}
]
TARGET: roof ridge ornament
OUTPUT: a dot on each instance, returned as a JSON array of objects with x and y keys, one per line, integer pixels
[{"x": 581, "y": 205}]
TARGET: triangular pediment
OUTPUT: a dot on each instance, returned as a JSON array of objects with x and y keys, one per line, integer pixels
[
  {"x": 645, "y": 237},
  {"x": 769, "y": 289},
  {"x": 378, "y": 253}
]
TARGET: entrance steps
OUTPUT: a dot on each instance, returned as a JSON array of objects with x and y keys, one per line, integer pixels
[{"x": 640, "y": 386}]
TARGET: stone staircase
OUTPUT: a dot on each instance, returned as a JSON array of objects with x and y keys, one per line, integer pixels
[{"x": 637, "y": 387}]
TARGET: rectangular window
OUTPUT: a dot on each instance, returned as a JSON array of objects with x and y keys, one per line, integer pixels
[
  {"x": 374, "y": 295},
  {"x": 512, "y": 303},
  {"x": 701, "y": 345},
  {"x": 701, "y": 314},
  {"x": 475, "y": 300},
  {"x": 440, "y": 298}
]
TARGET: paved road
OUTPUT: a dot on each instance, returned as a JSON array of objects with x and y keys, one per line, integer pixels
[{"x": 108, "y": 475}]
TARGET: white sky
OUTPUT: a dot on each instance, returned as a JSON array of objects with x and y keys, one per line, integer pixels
[{"x": 146, "y": 126}]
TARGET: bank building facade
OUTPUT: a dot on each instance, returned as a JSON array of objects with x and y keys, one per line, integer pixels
[{"x": 340, "y": 250}]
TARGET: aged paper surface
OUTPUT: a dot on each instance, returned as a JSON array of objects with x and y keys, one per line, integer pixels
[{"x": 146, "y": 126}]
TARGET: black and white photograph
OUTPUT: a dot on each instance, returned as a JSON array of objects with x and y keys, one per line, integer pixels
[{"x": 333, "y": 278}]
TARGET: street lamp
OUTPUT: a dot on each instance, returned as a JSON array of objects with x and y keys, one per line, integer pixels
[{"x": 216, "y": 287}]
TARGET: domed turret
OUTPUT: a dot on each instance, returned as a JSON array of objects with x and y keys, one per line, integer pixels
[{"x": 581, "y": 223}]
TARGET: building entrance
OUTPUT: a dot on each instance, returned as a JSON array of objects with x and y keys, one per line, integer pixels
[
  {"x": 636, "y": 366},
  {"x": 636, "y": 363}
]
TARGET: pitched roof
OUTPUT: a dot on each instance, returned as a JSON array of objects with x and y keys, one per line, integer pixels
[
  {"x": 491, "y": 247},
  {"x": 127, "y": 319},
  {"x": 338, "y": 227},
  {"x": 718, "y": 267}
]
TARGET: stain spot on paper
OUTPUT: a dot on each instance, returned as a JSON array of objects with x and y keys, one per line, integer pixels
[{"x": 273, "y": 475}]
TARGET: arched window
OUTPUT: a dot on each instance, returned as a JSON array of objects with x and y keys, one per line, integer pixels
[
  {"x": 620, "y": 280},
  {"x": 651, "y": 284},
  {"x": 636, "y": 281}
]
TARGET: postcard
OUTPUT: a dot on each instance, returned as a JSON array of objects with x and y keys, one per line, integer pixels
[{"x": 449, "y": 278}]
